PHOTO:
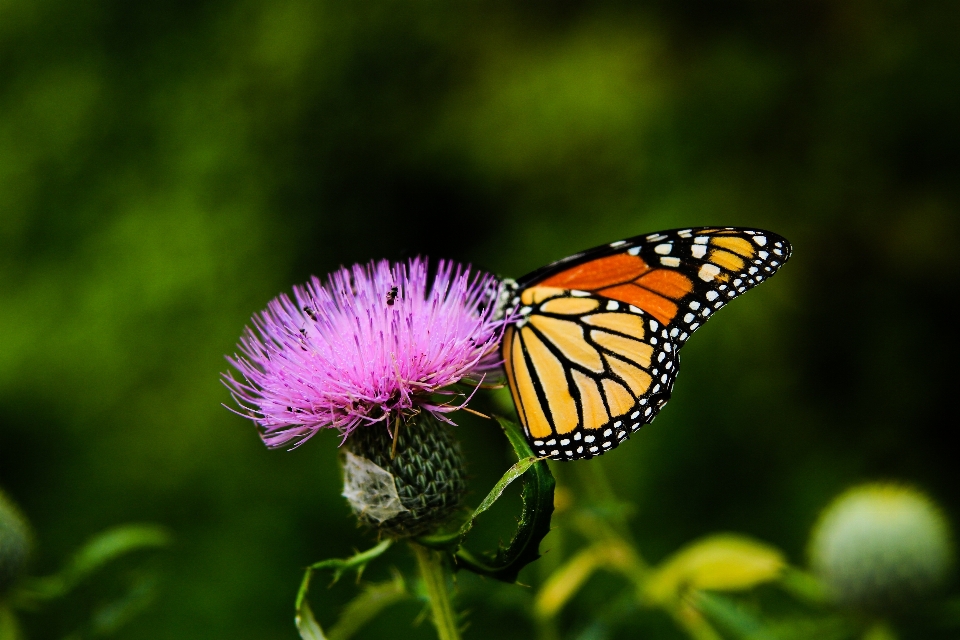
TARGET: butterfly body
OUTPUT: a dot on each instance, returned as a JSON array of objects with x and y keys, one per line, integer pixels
[{"x": 593, "y": 351}]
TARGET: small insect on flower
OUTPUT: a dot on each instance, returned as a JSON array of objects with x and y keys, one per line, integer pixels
[{"x": 335, "y": 356}]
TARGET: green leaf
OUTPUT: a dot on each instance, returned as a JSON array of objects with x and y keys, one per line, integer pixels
[
  {"x": 880, "y": 631},
  {"x": 804, "y": 586},
  {"x": 451, "y": 541},
  {"x": 564, "y": 583},
  {"x": 92, "y": 556},
  {"x": 306, "y": 623},
  {"x": 358, "y": 561},
  {"x": 741, "y": 623},
  {"x": 9, "y": 629},
  {"x": 721, "y": 562},
  {"x": 729, "y": 617},
  {"x": 362, "y": 609},
  {"x": 538, "y": 485},
  {"x": 111, "y": 617}
]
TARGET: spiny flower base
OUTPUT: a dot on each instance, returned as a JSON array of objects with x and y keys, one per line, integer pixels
[{"x": 427, "y": 476}]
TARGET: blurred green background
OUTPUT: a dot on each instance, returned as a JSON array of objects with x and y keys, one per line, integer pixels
[{"x": 166, "y": 168}]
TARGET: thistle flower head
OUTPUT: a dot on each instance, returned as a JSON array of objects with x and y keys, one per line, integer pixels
[
  {"x": 373, "y": 344},
  {"x": 881, "y": 546}
]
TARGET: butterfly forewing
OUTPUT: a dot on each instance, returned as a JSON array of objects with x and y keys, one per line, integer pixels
[{"x": 593, "y": 354}]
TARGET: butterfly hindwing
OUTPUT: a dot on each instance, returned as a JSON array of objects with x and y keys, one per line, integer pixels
[
  {"x": 585, "y": 372},
  {"x": 593, "y": 355}
]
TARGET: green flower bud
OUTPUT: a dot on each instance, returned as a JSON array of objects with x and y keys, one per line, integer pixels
[
  {"x": 881, "y": 546},
  {"x": 409, "y": 489},
  {"x": 15, "y": 543}
]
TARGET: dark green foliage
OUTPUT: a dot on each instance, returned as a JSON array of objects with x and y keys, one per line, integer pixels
[
  {"x": 533, "y": 525},
  {"x": 167, "y": 168},
  {"x": 14, "y": 543}
]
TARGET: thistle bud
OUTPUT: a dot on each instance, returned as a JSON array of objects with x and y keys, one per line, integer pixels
[
  {"x": 15, "y": 543},
  {"x": 881, "y": 546},
  {"x": 405, "y": 488}
]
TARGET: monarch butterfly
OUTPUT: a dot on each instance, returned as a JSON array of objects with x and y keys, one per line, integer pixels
[{"x": 592, "y": 354}]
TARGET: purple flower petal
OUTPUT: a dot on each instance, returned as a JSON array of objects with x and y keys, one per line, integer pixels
[{"x": 369, "y": 345}]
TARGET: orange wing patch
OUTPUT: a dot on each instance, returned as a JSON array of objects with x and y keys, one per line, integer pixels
[
  {"x": 659, "y": 307},
  {"x": 599, "y": 273},
  {"x": 671, "y": 284},
  {"x": 624, "y": 278}
]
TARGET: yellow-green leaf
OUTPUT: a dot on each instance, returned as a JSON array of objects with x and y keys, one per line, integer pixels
[
  {"x": 564, "y": 583},
  {"x": 723, "y": 562}
]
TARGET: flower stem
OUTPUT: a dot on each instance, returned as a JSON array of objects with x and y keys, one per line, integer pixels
[{"x": 435, "y": 580}]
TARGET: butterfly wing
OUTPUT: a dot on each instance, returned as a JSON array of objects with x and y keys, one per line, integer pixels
[
  {"x": 593, "y": 355},
  {"x": 585, "y": 373}
]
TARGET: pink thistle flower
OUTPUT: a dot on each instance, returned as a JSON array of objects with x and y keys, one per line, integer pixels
[{"x": 373, "y": 344}]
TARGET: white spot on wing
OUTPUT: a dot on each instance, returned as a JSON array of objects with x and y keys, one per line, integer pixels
[
  {"x": 670, "y": 262},
  {"x": 708, "y": 272},
  {"x": 760, "y": 240},
  {"x": 663, "y": 249},
  {"x": 698, "y": 251}
]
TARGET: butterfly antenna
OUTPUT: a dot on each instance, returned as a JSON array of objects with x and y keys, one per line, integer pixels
[{"x": 476, "y": 413}]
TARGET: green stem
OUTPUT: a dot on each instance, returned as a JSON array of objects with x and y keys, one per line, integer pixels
[
  {"x": 435, "y": 580},
  {"x": 8, "y": 624}
]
